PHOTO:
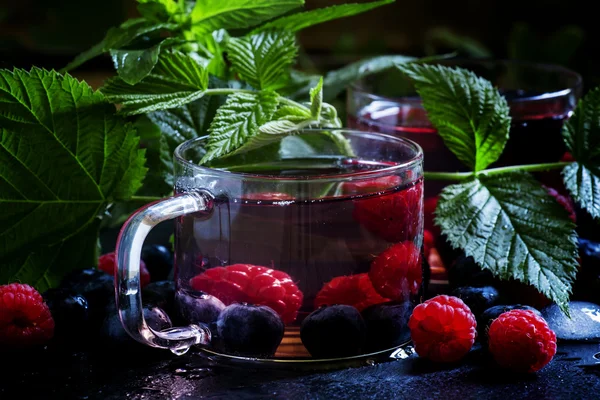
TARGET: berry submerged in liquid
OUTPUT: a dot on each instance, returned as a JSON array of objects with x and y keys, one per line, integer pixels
[{"x": 307, "y": 234}]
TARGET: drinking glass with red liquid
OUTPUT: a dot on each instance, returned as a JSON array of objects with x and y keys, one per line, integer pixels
[{"x": 541, "y": 97}]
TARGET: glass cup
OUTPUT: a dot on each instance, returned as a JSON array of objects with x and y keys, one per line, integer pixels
[
  {"x": 267, "y": 256},
  {"x": 540, "y": 98}
]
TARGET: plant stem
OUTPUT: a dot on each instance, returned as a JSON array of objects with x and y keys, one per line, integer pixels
[
  {"x": 147, "y": 199},
  {"x": 463, "y": 176}
]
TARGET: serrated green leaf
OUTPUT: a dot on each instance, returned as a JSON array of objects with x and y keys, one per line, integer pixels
[
  {"x": 263, "y": 59},
  {"x": 158, "y": 10},
  {"x": 292, "y": 113},
  {"x": 134, "y": 65},
  {"x": 117, "y": 38},
  {"x": 468, "y": 112},
  {"x": 581, "y": 134},
  {"x": 316, "y": 99},
  {"x": 64, "y": 156},
  {"x": 237, "y": 121},
  {"x": 210, "y": 15},
  {"x": 45, "y": 266},
  {"x": 302, "y": 20},
  {"x": 176, "y": 79},
  {"x": 514, "y": 228},
  {"x": 336, "y": 81}
]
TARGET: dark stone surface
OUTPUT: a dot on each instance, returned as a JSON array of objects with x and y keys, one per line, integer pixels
[{"x": 155, "y": 374}]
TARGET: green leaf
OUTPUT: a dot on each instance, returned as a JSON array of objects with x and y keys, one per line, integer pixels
[
  {"x": 316, "y": 99},
  {"x": 336, "y": 81},
  {"x": 133, "y": 65},
  {"x": 237, "y": 121},
  {"x": 298, "y": 85},
  {"x": 514, "y": 228},
  {"x": 176, "y": 79},
  {"x": 64, "y": 156},
  {"x": 117, "y": 38},
  {"x": 581, "y": 134},
  {"x": 301, "y": 20},
  {"x": 263, "y": 59},
  {"x": 210, "y": 15},
  {"x": 468, "y": 112},
  {"x": 158, "y": 10},
  {"x": 44, "y": 267}
]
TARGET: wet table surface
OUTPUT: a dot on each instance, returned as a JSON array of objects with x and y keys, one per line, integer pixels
[{"x": 154, "y": 374}]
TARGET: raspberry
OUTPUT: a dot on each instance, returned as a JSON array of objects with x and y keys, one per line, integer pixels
[
  {"x": 522, "y": 341},
  {"x": 397, "y": 271},
  {"x": 354, "y": 290},
  {"x": 564, "y": 201},
  {"x": 108, "y": 262},
  {"x": 392, "y": 217},
  {"x": 254, "y": 284},
  {"x": 443, "y": 329},
  {"x": 25, "y": 319},
  {"x": 566, "y": 157}
]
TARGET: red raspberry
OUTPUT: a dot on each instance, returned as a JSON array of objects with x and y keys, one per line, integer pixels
[
  {"x": 443, "y": 329},
  {"x": 25, "y": 319},
  {"x": 564, "y": 201},
  {"x": 522, "y": 341},
  {"x": 354, "y": 290},
  {"x": 246, "y": 283},
  {"x": 397, "y": 271},
  {"x": 392, "y": 217},
  {"x": 108, "y": 262}
]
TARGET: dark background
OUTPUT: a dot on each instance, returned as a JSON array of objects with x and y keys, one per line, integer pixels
[{"x": 48, "y": 33}]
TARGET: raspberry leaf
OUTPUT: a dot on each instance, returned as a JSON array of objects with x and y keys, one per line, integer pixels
[
  {"x": 210, "y": 15},
  {"x": 237, "y": 121},
  {"x": 44, "y": 267},
  {"x": 177, "y": 79},
  {"x": 159, "y": 10},
  {"x": 514, "y": 228},
  {"x": 263, "y": 59},
  {"x": 120, "y": 37},
  {"x": 64, "y": 156},
  {"x": 302, "y": 20},
  {"x": 316, "y": 99},
  {"x": 581, "y": 134},
  {"x": 468, "y": 112}
]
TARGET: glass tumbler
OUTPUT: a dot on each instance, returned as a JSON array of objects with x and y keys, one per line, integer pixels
[
  {"x": 311, "y": 260},
  {"x": 540, "y": 96}
]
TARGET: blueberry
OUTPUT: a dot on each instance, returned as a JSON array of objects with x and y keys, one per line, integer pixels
[
  {"x": 112, "y": 330},
  {"x": 387, "y": 324},
  {"x": 96, "y": 286},
  {"x": 587, "y": 285},
  {"x": 485, "y": 319},
  {"x": 69, "y": 311},
  {"x": 160, "y": 294},
  {"x": 334, "y": 331},
  {"x": 477, "y": 298},
  {"x": 197, "y": 308},
  {"x": 249, "y": 330},
  {"x": 158, "y": 260},
  {"x": 465, "y": 272}
]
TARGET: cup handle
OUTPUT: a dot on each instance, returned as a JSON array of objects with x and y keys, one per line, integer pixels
[{"x": 127, "y": 274}]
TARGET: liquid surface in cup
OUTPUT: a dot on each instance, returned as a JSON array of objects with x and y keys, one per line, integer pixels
[
  {"x": 355, "y": 242},
  {"x": 536, "y": 124}
]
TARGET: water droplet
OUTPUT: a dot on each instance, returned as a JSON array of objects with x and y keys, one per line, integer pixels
[
  {"x": 180, "y": 351},
  {"x": 180, "y": 371}
]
